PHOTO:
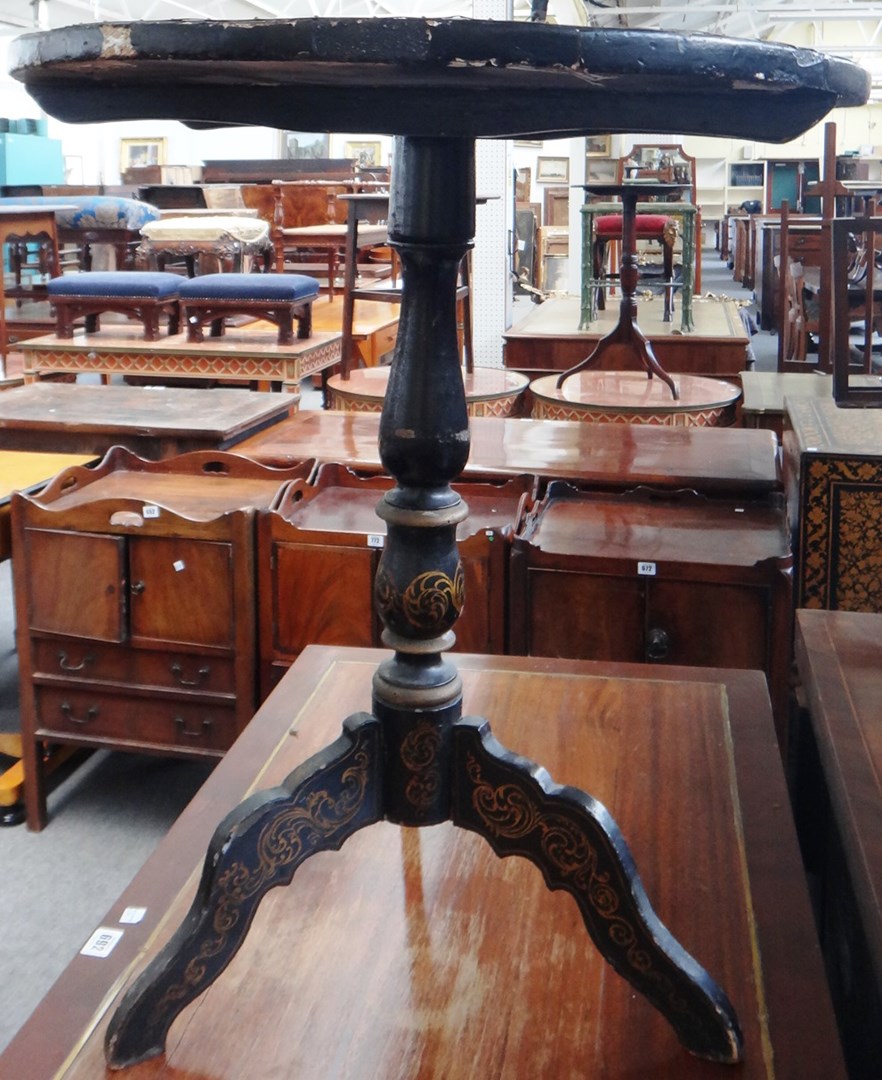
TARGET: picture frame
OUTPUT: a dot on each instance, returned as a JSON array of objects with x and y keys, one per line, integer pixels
[
  {"x": 598, "y": 145},
  {"x": 298, "y": 145},
  {"x": 136, "y": 153},
  {"x": 522, "y": 185},
  {"x": 552, "y": 170},
  {"x": 364, "y": 153}
]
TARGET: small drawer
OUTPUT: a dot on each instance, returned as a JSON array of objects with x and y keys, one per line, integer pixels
[
  {"x": 144, "y": 722},
  {"x": 96, "y": 662}
]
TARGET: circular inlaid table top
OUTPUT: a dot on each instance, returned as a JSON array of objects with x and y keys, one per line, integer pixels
[
  {"x": 433, "y": 77},
  {"x": 631, "y": 394},
  {"x": 485, "y": 388}
]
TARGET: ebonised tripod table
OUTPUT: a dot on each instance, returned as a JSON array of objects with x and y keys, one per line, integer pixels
[{"x": 437, "y": 85}]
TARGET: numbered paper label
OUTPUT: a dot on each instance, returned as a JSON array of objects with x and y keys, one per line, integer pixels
[
  {"x": 376, "y": 540},
  {"x": 102, "y": 942},
  {"x": 646, "y": 569}
]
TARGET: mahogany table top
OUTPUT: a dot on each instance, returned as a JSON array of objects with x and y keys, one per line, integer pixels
[
  {"x": 419, "y": 953},
  {"x": 153, "y": 421},
  {"x": 726, "y": 460}
]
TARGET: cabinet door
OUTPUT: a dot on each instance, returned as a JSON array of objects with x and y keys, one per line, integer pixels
[
  {"x": 585, "y": 616},
  {"x": 323, "y": 595},
  {"x": 76, "y": 584},
  {"x": 181, "y": 591},
  {"x": 707, "y": 625}
]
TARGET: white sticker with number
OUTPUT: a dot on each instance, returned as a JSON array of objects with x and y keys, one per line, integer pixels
[
  {"x": 375, "y": 540},
  {"x": 102, "y": 942},
  {"x": 646, "y": 569},
  {"x": 151, "y": 511}
]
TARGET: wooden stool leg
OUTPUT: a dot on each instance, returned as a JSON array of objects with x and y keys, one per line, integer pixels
[
  {"x": 150, "y": 319},
  {"x": 304, "y": 320},
  {"x": 285, "y": 321},
  {"x": 63, "y": 321}
]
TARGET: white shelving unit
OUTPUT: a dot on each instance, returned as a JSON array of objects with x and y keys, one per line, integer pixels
[{"x": 746, "y": 181}]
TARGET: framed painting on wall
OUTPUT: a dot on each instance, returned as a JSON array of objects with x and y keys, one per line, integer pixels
[
  {"x": 296, "y": 145},
  {"x": 364, "y": 153},
  {"x": 598, "y": 145},
  {"x": 553, "y": 170},
  {"x": 136, "y": 153}
]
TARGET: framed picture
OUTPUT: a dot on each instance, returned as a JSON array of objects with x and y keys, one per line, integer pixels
[
  {"x": 598, "y": 145},
  {"x": 303, "y": 144},
  {"x": 522, "y": 185},
  {"x": 364, "y": 153},
  {"x": 133, "y": 153},
  {"x": 552, "y": 170}
]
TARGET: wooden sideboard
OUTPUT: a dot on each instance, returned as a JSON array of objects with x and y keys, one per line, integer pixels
[
  {"x": 833, "y": 476},
  {"x": 317, "y": 555},
  {"x": 417, "y": 952},
  {"x": 135, "y": 608},
  {"x": 678, "y": 579},
  {"x": 839, "y": 814}
]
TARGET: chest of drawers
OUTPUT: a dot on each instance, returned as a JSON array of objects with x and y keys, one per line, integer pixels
[{"x": 134, "y": 586}]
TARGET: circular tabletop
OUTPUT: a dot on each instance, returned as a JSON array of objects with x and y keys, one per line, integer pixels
[
  {"x": 631, "y": 397},
  {"x": 489, "y": 391},
  {"x": 433, "y": 77}
]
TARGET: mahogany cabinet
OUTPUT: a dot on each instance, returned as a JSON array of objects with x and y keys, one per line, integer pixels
[
  {"x": 136, "y": 618},
  {"x": 318, "y": 551},
  {"x": 659, "y": 578},
  {"x": 838, "y": 802}
]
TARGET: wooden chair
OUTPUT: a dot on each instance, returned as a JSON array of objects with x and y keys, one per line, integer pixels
[
  {"x": 364, "y": 211},
  {"x": 310, "y": 231}
]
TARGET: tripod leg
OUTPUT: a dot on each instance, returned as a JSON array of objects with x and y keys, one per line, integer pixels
[
  {"x": 573, "y": 840},
  {"x": 258, "y": 846}
]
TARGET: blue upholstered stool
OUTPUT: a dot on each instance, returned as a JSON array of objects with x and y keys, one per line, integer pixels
[
  {"x": 279, "y": 298},
  {"x": 139, "y": 295}
]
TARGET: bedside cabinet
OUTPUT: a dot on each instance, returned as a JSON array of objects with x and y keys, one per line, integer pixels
[
  {"x": 136, "y": 618},
  {"x": 318, "y": 552},
  {"x": 672, "y": 578}
]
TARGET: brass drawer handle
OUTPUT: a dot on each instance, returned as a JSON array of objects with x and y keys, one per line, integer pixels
[
  {"x": 67, "y": 710},
  {"x": 201, "y": 675},
  {"x": 180, "y": 723},
  {"x": 65, "y": 665}
]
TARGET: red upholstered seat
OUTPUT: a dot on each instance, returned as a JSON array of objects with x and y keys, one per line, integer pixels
[
  {"x": 649, "y": 226},
  {"x": 660, "y": 227}
]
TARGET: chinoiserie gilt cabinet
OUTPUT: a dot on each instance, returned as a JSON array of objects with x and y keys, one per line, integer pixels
[
  {"x": 656, "y": 577},
  {"x": 318, "y": 551},
  {"x": 136, "y": 618}
]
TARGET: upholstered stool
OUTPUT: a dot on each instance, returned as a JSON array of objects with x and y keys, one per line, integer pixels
[
  {"x": 279, "y": 298},
  {"x": 138, "y": 294},
  {"x": 231, "y": 242},
  {"x": 658, "y": 227}
]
